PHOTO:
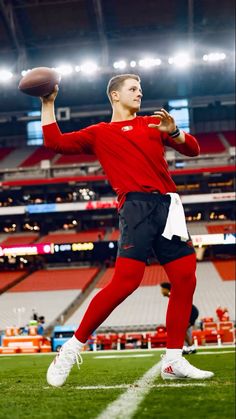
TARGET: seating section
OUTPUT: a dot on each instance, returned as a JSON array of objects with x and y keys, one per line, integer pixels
[
  {"x": 75, "y": 159},
  {"x": 197, "y": 228},
  {"x": 221, "y": 228},
  {"x": 8, "y": 278},
  {"x": 153, "y": 275},
  {"x": 210, "y": 143},
  {"x": 226, "y": 269},
  {"x": 42, "y": 153},
  {"x": 230, "y": 137},
  {"x": 146, "y": 306},
  {"x": 49, "y": 293},
  {"x": 46, "y": 303},
  {"x": 14, "y": 159},
  {"x": 5, "y": 151},
  {"x": 194, "y": 228},
  {"x": 57, "y": 279},
  {"x": 113, "y": 235},
  {"x": 83, "y": 236},
  {"x": 19, "y": 239},
  {"x": 211, "y": 292},
  {"x": 32, "y": 156}
]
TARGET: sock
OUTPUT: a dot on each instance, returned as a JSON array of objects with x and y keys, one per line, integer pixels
[
  {"x": 76, "y": 343},
  {"x": 181, "y": 273},
  {"x": 172, "y": 354},
  {"x": 127, "y": 277}
]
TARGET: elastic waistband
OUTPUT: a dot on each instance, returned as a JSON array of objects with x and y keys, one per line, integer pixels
[{"x": 143, "y": 196}]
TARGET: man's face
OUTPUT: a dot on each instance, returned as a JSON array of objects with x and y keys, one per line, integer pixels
[{"x": 129, "y": 95}]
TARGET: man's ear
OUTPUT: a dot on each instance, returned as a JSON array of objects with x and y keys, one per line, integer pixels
[{"x": 115, "y": 96}]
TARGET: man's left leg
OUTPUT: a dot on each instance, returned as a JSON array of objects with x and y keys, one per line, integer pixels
[{"x": 181, "y": 273}]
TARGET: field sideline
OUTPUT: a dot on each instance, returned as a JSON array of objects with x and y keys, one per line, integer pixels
[{"x": 112, "y": 385}]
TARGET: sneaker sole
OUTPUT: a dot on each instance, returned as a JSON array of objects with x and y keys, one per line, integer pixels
[{"x": 174, "y": 377}]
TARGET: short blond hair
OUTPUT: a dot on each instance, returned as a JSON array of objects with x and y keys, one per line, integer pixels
[{"x": 116, "y": 82}]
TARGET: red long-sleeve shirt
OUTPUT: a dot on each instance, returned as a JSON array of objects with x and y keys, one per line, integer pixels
[{"x": 131, "y": 153}]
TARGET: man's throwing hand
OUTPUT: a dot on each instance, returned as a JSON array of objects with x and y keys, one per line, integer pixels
[{"x": 166, "y": 122}]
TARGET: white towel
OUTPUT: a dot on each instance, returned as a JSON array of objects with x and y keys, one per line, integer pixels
[{"x": 175, "y": 223}]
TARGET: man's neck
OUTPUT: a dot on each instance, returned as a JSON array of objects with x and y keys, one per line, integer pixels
[{"x": 122, "y": 115}]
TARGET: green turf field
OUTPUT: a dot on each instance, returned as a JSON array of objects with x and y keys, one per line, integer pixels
[{"x": 24, "y": 392}]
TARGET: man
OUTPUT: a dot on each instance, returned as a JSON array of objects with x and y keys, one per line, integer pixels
[
  {"x": 131, "y": 151},
  {"x": 190, "y": 348}
]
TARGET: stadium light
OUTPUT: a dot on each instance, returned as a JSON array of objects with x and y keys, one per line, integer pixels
[
  {"x": 89, "y": 67},
  {"x": 132, "y": 63},
  {"x": 5, "y": 75},
  {"x": 149, "y": 62},
  {"x": 64, "y": 69},
  {"x": 214, "y": 56},
  {"x": 181, "y": 60},
  {"x": 24, "y": 72},
  {"x": 120, "y": 65}
]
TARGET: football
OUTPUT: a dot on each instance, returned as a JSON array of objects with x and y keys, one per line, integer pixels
[{"x": 39, "y": 82}]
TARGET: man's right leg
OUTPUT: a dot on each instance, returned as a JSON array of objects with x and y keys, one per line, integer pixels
[{"x": 127, "y": 277}]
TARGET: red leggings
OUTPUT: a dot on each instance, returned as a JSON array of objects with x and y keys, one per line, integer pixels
[{"x": 127, "y": 277}]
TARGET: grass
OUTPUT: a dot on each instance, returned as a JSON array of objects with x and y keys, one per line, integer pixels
[{"x": 24, "y": 392}]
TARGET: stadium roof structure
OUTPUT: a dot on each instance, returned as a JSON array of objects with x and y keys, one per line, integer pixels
[{"x": 33, "y": 30}]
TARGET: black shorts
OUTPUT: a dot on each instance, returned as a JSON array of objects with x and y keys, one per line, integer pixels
[{"x": 142, "y": 220}]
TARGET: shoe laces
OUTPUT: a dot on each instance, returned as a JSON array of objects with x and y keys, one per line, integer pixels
[{"x": 66, "y": 359}]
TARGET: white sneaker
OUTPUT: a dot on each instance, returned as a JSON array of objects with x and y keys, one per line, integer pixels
[
  {"x": 180, "y": 368},
  {"x": 61, "y": 366}
]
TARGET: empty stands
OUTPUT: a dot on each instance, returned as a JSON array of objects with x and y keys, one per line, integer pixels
[
  {"x": 153, "y": 275},
  {"x": 75, "y": 159},
  {"x": 210, "y": 143},
  {"x": 194, "y": 228},
  {"x": 83, "y": 236},
  {"x": 46, "y": 303},
  {"x": 5, "y": 151},
  {"x": 49, "y": 293},
  {"x": 9, "y": 278},
  {"x": 16, "y": 239},
  {"x": 211, "y": 292},
  {"x": 113, "y": 235},
  {"x": 57, "y": 279},
  {"x": 230, "y": 137},
  {"x": 42, "y": 153},
  {"x": 14, "y": 159},
  {"x": 226, "y": 269},
  {"x": 146, "y": 306},
  {"x": 221, "y": 228}
]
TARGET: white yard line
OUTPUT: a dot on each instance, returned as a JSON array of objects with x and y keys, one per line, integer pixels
[
  {"x": 124, "y": 386},
  {"x": 214, "y": 353},
  {"x": 109, "y": 351},
  {"x": 128, "y": 402},
  {"x": 122, "y": 356}
]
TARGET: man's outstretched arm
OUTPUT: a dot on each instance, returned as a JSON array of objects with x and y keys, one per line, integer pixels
[
  {"x": 69, "y": 143},
  {"x": 48, "y": 109}
]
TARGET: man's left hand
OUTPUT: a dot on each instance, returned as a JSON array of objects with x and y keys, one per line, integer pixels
[{"x": 166, "y": 122}]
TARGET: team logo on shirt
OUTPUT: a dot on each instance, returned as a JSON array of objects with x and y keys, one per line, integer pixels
[{"x": 127, "y": 128}]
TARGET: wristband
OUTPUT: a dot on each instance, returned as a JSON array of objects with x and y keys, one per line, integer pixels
[{"x": 175, "y": 133}]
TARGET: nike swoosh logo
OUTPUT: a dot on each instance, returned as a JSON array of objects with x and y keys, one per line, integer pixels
[{"x": 127, "y": 246}]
